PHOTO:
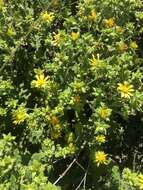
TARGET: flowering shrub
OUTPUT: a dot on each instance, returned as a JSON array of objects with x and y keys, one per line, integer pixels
[{"x": 71, "y": 94}]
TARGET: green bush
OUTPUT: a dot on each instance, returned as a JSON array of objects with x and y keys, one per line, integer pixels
[{"x": 71, "y": 94}]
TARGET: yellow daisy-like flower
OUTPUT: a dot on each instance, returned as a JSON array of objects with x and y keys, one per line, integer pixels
[
  {"x": 41, "y": 81},
  {"x": 19, "y": 116},
  {"x": 101, "y": 158},
  {"x": 104, "y": 112},
  {"x": 74, "y": 36},
  {"x": 92, "y": 16},
  {"x": 109, "y": 23},
  {"x": 94, "y": 63},
  {"x": 47, "y": 17},
  {"x": 140, "y": 181},
  {"x": 101, "y": 139},
  {"x": 134, "y": 45},
  {"x": 125, "y": 89}
]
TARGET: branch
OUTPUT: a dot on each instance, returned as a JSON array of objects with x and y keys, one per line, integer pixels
[
  {"x": 83, "y": 180},
  {"x": 64, "y": 173}
]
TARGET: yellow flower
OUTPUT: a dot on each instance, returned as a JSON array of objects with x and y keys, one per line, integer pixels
[
  {"x": 134, "y": 45},
  {"x": 92, "y": 16},
  {"x": 47, "y": 17},
  {"x": 95, "y": 63},
  {"x": 19, "y": 115},
  {"x": 10, "y": 32},
  {"x": 74, "y": 36},
  {"x": 41, "y": 81},
  {"x": 101, "y": 158},
  {"x": 140, "y": 181},
  {"x": 104, "y": 112},
  {"x": 109, "y": 23},
  {"x": 125, "y": 89},
  {"x": 101, "y": 139}
]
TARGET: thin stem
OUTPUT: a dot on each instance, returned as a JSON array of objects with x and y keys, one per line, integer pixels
[
  {"x": 64, "y": 173},
  {"x": 83, "y": 180},
  {"x": 80, "y": 165}
]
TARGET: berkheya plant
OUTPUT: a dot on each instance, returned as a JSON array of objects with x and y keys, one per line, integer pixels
[{"x": 70, "y": 90}]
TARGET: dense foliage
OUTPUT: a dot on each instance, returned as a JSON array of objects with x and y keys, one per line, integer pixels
[{"x": 71, "y": 94}]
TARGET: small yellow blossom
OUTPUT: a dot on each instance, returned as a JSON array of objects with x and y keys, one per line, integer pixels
[
  {"x": 74, "y": 36},
  {"x": 109, "y": 23},
  {"x": 41, "y": 81},
  {"x": 101, "y": 158},
  {"x": 92, "y": 16},
  {"x": 125, "y": 89},
  {"x": 104, "y": 112},
  {"x": 134, "y": 45},
  {"x": 95, "y": 62},
  {"x": 140, "y": 181},
  {"x": 19, "y": 116},
  {"x": 101, "y": 139},
  {"x": 47, "y": 17},
  {"x": 11, "y": 32}
]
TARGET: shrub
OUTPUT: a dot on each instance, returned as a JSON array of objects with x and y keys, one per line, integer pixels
[{"x": 71, "y": 94}]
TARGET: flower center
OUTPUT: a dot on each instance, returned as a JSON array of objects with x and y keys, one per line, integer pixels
[{"x": 125, "y": 89}]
